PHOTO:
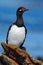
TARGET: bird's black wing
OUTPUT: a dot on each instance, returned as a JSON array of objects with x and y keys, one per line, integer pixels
[{"x": 8, "y": 34}]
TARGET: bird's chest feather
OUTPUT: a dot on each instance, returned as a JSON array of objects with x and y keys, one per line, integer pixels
[{"x": 16, "y": 34}]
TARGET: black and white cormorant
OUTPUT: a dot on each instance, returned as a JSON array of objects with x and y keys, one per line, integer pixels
[{"x": 17, "y": 31}]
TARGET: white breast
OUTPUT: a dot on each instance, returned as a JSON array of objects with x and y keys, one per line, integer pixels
[{"x": 16, "y": 35}]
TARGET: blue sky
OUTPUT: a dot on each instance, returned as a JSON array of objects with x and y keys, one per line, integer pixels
[{"x": 33, "y": 20}]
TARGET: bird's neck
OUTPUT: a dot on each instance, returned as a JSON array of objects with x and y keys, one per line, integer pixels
[{"x": 19, "y": 21}]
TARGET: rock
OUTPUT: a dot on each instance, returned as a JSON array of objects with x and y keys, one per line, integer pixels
[
  {"x": 16, "y": 56},
  {"x": 40, "y": 58},
  {"x": 5, "y": 60}
]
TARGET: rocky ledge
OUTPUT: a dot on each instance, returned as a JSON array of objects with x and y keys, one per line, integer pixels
[{"x": 15, "y": 56}]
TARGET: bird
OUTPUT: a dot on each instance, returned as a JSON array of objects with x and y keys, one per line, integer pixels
[{"x": 17, "y": 31}]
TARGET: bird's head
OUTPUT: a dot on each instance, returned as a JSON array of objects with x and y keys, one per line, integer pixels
[{"x": 21, "y": 10}]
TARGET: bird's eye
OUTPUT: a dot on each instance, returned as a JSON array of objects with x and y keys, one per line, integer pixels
[{"x": 20, "y": 10}]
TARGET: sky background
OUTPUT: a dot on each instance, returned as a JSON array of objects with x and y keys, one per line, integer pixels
[{"x": 33, "y": 20}]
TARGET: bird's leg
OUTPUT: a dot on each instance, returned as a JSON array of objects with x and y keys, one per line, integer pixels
[{"x": 23, "y": 48}]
